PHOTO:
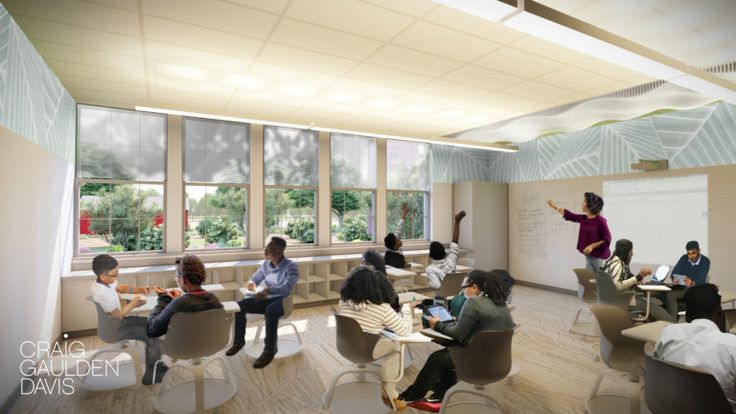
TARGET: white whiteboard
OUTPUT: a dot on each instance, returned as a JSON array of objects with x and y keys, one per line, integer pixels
[{"x": 659, "y": 215}]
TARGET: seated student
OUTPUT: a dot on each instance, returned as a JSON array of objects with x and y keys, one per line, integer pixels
[
  {"x": 443, "y": 262},
  {"x": 702, "y": 342},
  {"x": 394, "y": 256},
  {"x": 617, "y": 266},
  {"x": 280, "y": 276},
  {"x": 105, "y": 293},
  {"x": 373, "y": 259},
  {"x": 485, "y": 309},
  {"x": 190, "y": 275},
  {"x": 694, "y": 266},
  {"x": 507, "y": 282},
  {"x": 365, "y": 295}
]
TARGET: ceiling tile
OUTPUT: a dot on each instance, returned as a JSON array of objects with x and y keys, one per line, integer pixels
[
  {"x": 575, "y": 79},
  {"x": 78, "y": 13},
  {"x": 60, "y": 67},
  {"x": 109, "y": 87},
  {"x": 606, "y": 69},
  {"x": 184, "y": 85},
  {"x": 516, "y": 62},
  {"x": 304, "y": 59},
  {"x": 484, "y": 78},
  {"x": 454, "y": 19},
  {"x": 413, "y": 61},
  {"x": 187, "y": 97},
  {"x": 367, "y": 89},
  {"x": 67, "y": 34},
  {"x": 452, "y": 90},
  {"x": 187, "y": 35},
  {"x": 131, "y": 5},
  {"x": 351, "y": 16},
  {"x": 286, "y": 74},
  {"x": 541, "y": 47},
  {"x": 509, "y": 102},
  {"x": 183, "y": 56},
  {"x": 430, "y": 101},
  {"x": 445, "y": 42},
  {"x": 538, "y": 91},
  {"x": 271, "y": 6},
  {"x": 82, "y": 56},
  {"x": 390, "y": 77},
  {"x": 92, "y": 97},
  {"x": 320, "y": 39},
  {"x": 414, "y": 8},
  {"x": 613, "y": 87},
  {"x": 215, "y": 15}
]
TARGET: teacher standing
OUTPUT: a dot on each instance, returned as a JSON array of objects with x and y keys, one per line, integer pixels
[{"x": 594, "y": 237}]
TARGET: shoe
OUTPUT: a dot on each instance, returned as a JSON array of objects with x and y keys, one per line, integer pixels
[
  {"x": 398, "y": 404},
  {"x": 264, "y": 359},
  {"x": 234, "y": 349},
  {"x": 160, "y": 372},
  {"x": 433, "y": 398}
]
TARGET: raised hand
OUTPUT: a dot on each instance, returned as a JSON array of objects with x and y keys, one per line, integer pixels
[{"x": 459, "y": 216}]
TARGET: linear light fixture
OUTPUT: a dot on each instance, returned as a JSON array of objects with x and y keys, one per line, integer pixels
[
  {"x": 440, "y": 141},
  {"x": 549, "y": 24}
]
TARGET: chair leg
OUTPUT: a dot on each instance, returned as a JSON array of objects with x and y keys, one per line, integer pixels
[
  {"x": 259, "y": 333},
  {"x": 198, "y": 371},
  {"x": 296, "y": 331},
  {"x": 489, "y": 394},
  {"x": 597, "y": 384},
  {"x": 353, "y": 369}
]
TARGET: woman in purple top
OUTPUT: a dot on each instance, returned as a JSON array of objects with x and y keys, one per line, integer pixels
[{"x": 594, "y": 237}]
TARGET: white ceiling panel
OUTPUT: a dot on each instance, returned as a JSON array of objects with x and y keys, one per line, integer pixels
[
  {"x": 466, "y": 23},
  {"x": 271, "y": 6},
  {"x": 312, "y": 37},
  {"x": 575, "y": 79},
  {"x": 304, "y": 59},
  {"x": 537, "y": 90},
  {"x": 413, "y": 61},
  {"x": 80, "y": 13},
  {"x": 387, "y": 76},
  {"x": 518, "y": 63},
  {"x": 93, "y": 59},
  {"x": 481, "y": 77},
  {"x": 438, "y": 40}
]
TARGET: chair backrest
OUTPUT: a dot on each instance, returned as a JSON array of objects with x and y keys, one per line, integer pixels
[
  {"x": 451, "y": 284},
  {"x": 589, "y": 293},
  {"x": 352, "y": 343},
  {"x": 485, "y": 359},
  {"x": 607, "y": 292},
  {"x": 675, "y": 388},
  {"x": 288, "y": 304},
  {"x": 466, "y": 261},
  {"x": 197, "y": 334},
  {"x": 614, "y": 346},
  {"x": 107, "y": 326}
]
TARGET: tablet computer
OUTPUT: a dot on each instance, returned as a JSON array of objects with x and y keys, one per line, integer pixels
[
  {"x": 438, "y": 311},
  {"x": 661, "y": 274},
  {"x": 679, "y": 279}
]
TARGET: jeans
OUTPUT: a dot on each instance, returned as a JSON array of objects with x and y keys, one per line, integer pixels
[
  {"x": 593, "y": 263},
  {"x": 438, "y": 375},
  {"x": 134, "y": 327},
  {"x": 272, "y": 309}
]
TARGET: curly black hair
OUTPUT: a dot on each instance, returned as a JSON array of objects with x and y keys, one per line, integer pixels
[
  {"x": 365, "y": 285},
  {"x": 594, "y": 203},
  {"x": 494, "y": 284}
]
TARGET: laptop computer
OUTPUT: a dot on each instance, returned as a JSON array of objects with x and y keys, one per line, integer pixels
[{"x": 661, "y": 274}]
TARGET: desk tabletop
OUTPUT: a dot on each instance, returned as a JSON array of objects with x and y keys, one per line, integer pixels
[
  {"x": 648, "y": 332},
  {"x": 412, "y": 338},
  {"x": 408, "y": 297},
  {"x": 395, "y": 272},
  {"x": 727, "y": 296},
  {"x": 462, "y": 269},
  {"x": 654, "y": 288},
  {"x": 151, "y": 301}
]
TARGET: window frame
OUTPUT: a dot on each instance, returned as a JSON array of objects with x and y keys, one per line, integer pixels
[
  {"x": 374, "y": 191},
  {"x": 185, "y": 183},
  {"x": 78, "y": 182},
  {"x": 427, "y": 223}
]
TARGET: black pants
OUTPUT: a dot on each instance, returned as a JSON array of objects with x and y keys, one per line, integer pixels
[
  {"x": 134, "y": 327},
  {"x": 437, "y": 375},
  {"x": 272, "y": 309}
]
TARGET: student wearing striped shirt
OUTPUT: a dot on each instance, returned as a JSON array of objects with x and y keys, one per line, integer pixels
[{"x": 365, "y": 296}]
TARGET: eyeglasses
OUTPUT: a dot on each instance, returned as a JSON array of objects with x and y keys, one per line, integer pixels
[{"x": 467, "y": 286}]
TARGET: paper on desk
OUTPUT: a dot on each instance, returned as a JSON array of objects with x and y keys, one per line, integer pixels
[{"x": 412, "y": 337}]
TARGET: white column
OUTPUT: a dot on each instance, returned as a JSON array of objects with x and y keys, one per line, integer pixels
[
  {"x": 256, "y": 208},
  {"x": 174, "y": 186},
  {"x": 324, "y": 204}
]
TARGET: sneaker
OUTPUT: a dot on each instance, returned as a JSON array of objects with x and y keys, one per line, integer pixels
[
  {"x": 160, "y": 372},
  {"x": 433, "y": 398},
  {"x": 234, "y": 349},
  {"x": 264, "y": 359}
]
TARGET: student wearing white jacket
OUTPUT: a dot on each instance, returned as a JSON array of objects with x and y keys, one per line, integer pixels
[
  {"x": 443, "y": 262},
  {"x": 365, "y": 296}
]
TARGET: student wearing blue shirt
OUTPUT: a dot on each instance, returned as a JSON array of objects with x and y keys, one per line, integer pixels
[
  {"x": 694, "y": 266},
  {"x": 280, "y": 276}
]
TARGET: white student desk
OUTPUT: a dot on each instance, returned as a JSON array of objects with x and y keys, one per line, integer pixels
[
  {"x": 649, "y": 289},
  {"x": 320, "y": 278},
  {"x": 151, "y": 301},
  {"x": 648, "y": 332}
]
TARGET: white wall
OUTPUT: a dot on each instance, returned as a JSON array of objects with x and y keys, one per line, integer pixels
[
  {"x": 36, "y": 222},
  {"x": 485, "y": 229}
]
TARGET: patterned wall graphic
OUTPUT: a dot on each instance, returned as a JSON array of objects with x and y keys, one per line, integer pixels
[
  {"x": 33, "y": 102},
  {"x": 699, "y": 137}
]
